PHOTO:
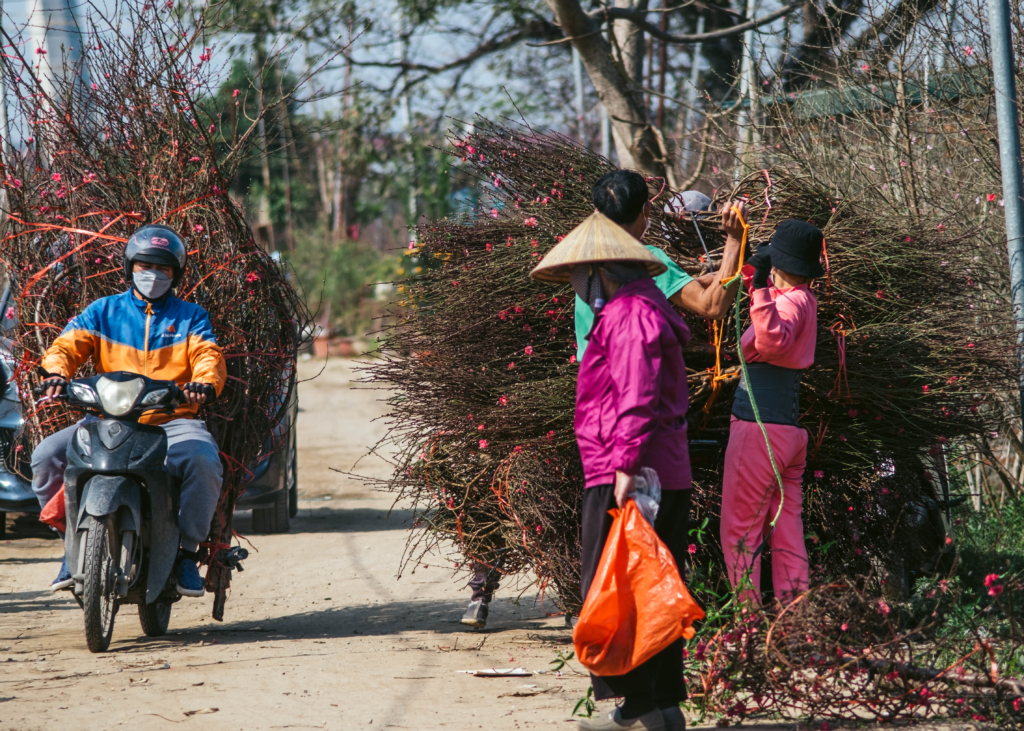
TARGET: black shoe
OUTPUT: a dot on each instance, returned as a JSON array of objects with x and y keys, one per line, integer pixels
[{"x": 476, "y": 614}]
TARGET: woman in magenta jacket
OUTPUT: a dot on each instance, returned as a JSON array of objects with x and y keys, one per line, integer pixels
[{"x": 631, "y": 402}]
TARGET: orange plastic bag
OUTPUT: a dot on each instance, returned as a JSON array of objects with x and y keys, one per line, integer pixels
[
  {"x": 637, "y": 604},
  {"x": 55, "y": 512}
]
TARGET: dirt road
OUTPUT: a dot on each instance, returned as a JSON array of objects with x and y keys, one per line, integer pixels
[{"x": 319, "y": 632}]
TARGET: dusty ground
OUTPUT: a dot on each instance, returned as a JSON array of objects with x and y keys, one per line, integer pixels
[{"x": 319, "y": 632}]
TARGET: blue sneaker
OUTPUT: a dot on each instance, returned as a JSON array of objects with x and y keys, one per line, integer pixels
[
  {"x": 187, "y": 578},
  {"x": 63, "y": 580}
]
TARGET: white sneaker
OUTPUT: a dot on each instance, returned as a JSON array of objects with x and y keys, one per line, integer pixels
[{"x": 651, "y": 721}]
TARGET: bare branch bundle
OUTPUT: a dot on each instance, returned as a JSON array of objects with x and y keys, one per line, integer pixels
[{"x": 483, "y": 361}]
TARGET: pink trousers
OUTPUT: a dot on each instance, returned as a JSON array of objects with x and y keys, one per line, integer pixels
[{"x": 750, "y": 499}]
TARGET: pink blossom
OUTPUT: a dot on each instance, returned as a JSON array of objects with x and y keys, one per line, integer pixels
[
  {"x": 494, "y": 213},
  {"x": 533, "y": 243},
  {"x": 193, "y": 159},
  {"x": 198, "y": 228},
  {"x": 503, "y": 400},
  {"x": 880, "y": 294},
  {"x": 941, "y": 227},
  {"x": 511, "y": 366},
  {"x": 480, "y": 427},
  {"x": 234, "y": 93},
  {"x": 40, "y": 52},
  {"x": 944, "y": 585},
  {"x": 883, "y": 607},
  {"x": 819, "y": 473},
  {"x": 55, "y": 177},
  {"x": 572, "y": 360},
  {"x": 692, "y": 548},
  {"x": 865, "y": 68},
  {"x": 551, "y": 436},
  {"x": 528, "y": 350},
  {"x": 483, "y": 444},
  {"x": 10, "y": 313},
  {"x": 251, "y": 277},
  {"x": 990, "y": 197},
  {"x": 968, "y": 50},
  {"x": 489, "y": 246},
  {"x": 531, "y": 222},
  {"x": 518, "y": 450},
  {"x": 94, "y": 87},
  {"x": 925, "y": 388}
]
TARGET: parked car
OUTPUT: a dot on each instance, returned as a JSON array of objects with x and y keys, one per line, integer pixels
[
  {"x": 273, "y": 492},
  {"x": 16, "y": 494}
]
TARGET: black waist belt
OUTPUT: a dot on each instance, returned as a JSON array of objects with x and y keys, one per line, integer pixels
[{"x": 777, "y": 391}]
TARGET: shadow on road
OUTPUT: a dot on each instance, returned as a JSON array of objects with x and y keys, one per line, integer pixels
[{"x": 337, "y": 519}]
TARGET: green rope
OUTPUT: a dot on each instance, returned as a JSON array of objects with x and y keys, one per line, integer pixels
[{"x": 757, "y": 416}]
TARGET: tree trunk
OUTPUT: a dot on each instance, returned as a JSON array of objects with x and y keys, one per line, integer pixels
[{"x": 616, "y": 74}]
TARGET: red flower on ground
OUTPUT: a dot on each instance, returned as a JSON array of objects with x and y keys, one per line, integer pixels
[
  {"x": 483, "y": 444},
  {"x": 990, "y": 197}
]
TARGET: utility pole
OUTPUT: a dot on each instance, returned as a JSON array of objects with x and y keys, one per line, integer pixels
[
  {"x": 1008, "y": 121},
  {"x": 403, "y": 53},
  {"x": 746, "y": 120},
  {"x": 577, "y": 75},
  {"x": 690, "y": 113},
  {"x": 5, "y": 137},
  {"x": 54, "y": 30}
]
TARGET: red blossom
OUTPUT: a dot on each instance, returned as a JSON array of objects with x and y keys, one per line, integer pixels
[
  {"x": 528, "y": 350},
  {"x": 990, "y": 197},
  {"x": 531, "y": 222},
  {"x": 483, "y": 444},
  {"x": 503, "y": 400}
]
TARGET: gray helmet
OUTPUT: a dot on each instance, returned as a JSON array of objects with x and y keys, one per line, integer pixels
[{"x": 155, "y": 244}]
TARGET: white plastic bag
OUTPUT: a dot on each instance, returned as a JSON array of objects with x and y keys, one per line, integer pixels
[{"x": 647, "y": 493}]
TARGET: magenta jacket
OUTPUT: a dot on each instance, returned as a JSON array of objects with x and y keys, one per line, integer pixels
[{"x": 631, "y": 396}]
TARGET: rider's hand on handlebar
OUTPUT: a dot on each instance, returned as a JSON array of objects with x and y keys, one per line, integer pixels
[
  {"x": 198, "y": 393},
  {"x": 53, "y": 386}
]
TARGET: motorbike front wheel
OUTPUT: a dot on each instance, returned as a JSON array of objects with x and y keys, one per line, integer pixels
[
  {"x": 154, "y": 618},
  {"x": 100, "y": 595}
]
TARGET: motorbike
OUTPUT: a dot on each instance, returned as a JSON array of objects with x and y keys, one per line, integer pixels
[{"x": 122, "y": 505}]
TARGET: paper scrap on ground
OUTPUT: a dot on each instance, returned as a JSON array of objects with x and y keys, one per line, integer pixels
[{"x": 499, "y": 673}]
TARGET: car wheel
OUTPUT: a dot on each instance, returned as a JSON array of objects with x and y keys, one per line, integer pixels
[{"x": 274, "y": 519}]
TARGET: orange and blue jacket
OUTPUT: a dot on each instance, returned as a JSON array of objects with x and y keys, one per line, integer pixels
[{"x": 169, "y": 340}]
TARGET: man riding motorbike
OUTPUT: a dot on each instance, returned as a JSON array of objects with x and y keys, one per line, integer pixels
[{"x": 147, "y": 330}]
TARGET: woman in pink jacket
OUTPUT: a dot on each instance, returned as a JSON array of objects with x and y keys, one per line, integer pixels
[{"x": 778, "y": 346}]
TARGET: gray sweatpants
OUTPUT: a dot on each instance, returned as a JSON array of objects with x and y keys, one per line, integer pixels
[{"x": 192, "y": 457}]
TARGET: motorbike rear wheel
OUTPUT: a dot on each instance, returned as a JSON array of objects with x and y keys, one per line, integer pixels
[
  {"x": 100, "y": 596},
  {"x": 154, "y": 618}
]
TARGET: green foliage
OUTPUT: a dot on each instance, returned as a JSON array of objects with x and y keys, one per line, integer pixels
[
  {"x": 585, "y": 706},
  {"x": 339, "y": 277}
]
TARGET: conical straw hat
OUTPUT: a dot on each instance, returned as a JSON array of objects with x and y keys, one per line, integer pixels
[{"x": 598, "y": 238}]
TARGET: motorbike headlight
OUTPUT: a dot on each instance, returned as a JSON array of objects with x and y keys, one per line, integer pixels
[
  {"x": 118, "y": 398},
  {"x": 83, "y": 393},
  {"x": 153, "y": 397},
  {"x": 84, "y": 441}
]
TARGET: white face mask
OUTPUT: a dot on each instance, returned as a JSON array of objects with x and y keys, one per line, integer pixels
[{"x": 152, "y": 284}]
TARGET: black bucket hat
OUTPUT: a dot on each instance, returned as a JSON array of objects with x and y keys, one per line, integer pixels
[{"x": 796, "y": 248}]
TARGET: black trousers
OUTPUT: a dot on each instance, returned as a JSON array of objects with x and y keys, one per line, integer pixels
[
  {"x": 662, "y": 676},
  {"x": 484, "y": 583}
]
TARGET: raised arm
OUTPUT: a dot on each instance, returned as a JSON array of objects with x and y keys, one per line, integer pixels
[{"x": 705, "y": 296}]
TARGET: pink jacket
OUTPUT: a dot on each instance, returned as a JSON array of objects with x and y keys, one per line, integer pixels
[
  {"x": 631, "y": 396},
  {"x": 783, "y": 327}
]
